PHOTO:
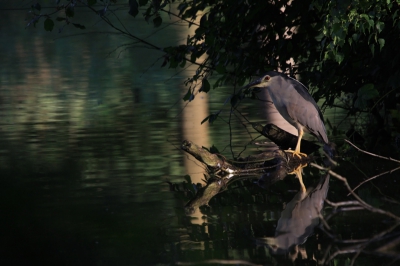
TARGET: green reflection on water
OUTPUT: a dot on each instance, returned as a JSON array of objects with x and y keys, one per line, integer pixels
[{"x": 87, "y": 142}]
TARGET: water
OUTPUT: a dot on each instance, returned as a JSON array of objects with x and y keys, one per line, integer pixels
[{"x": 90, "y": 138}]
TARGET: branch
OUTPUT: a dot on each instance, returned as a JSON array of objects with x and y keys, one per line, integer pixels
[
  {"x": 372, "y": 154},
  {"x": 106, "y": 20},
  {"x": 362, "y": 202},
  {"x": 371, "y": 178}
]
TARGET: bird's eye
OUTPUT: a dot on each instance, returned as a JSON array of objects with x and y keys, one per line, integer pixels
[{"x": 267, "y": 78}]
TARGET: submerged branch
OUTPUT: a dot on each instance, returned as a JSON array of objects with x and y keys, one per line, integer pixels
[
  {"x": 251, "y": 164},
  {"x": 269, "y": 167}
]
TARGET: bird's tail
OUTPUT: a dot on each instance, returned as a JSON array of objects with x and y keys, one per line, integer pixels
[{"x": 330, "y": 149}]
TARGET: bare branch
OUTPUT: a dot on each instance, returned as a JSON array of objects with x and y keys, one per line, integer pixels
[
  {"x": 372, "y": 154},
  {"x": 226, "y": 262},
  {"x": 362, "y": 202},
  {"x": 342, "y": 203},
  {"x": 371, "y": 178}
]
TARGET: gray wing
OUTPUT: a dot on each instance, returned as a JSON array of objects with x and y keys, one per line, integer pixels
[
  {"x": 310, "y": 116},
  {"x": 306, "y": 110}
]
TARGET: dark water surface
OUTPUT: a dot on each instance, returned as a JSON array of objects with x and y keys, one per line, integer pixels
[{"x": 88, "y": 140}]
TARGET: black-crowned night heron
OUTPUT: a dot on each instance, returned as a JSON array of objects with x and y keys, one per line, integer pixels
[{"x": 296, "y": 105}]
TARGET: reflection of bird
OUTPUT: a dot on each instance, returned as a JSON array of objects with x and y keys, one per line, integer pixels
[
  {"x": 296, "y": 105},
  {"x": 298, "y": 219}
]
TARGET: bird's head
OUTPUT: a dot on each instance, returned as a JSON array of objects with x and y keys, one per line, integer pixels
[
  {"x": 260, "y": 83},
  {"x": 263, "y": 82}
]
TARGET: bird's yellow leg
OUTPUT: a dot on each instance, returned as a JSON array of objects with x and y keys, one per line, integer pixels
[{"x": 297, "y": 150}]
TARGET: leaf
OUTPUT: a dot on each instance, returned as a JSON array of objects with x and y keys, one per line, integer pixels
[
  {"x": 182, "y": 8},
  {"x": 364, "y": 94},
  {"x": 189, "y": 185},
  {"x": 205, "y": 86},
  {"x": 157, "y": 21},
  {"x": 289, "y": 46},
  {"x": 366, "y": 195},
  {"x": 187, "y": 95},
  {"x": 394, "y": 80},
  {"x": 69, "y": 12},
  {"x": 371, "y": 23},
  {"x": 369, "y": 20},
  {"x": 381, "y": 43},
  {"x": 79, "y": 26},
  {"x": 368, "y": 91},
  {"x": 379, "y": 26},
  {"x": 165, "y": 62},
  {"x": 372, "y": 47},
  {"x": 203, "y": 20},
  {"x": 214, "y": 149},
  {"x": 394, "y": 17},
  {"x": 48, "y": 24},
  {"x": 91, "y": 2},
  {"x": 133, "y": 8},
  {"x": 37, "y": 6},
  {"x": 102, "y": 12},
  {"x": 339, "y": 57},
  {"x": 205, "y": 119},
  {"x": 213, "y": 117},
  {"x": 193, "y": 57},
  {"x": 183, "y": 63},
  {"x": 365, "y": 16},
  {"x": 173, "y": 63},
  {"x": 143, "y": 2},
  {"x": 188, "y": 179},
  {"x": 220, "y": 68},
  {"x": 234, "y": 100}
]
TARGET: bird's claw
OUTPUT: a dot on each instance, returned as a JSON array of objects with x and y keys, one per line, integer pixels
[{"x": 297, "y": 153}]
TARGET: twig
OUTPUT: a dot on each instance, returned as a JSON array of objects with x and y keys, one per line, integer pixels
[
  {"x": 373, "y": 239},
  {"x": 333, "y": 162},
  {"x": 352, "y": 241},
  {"x": 362, "y": 202},
  {"x": 226, "y": 262},
  {"x": 358, "y": 248},
  {"x": 326, "y": 253},
  {"x": 351, "y": 209},
  {"x": 371, "y": 178},
  {"x": 372, "y": 154},
  {"x": 324, "y": 222},
  {"x": 342, "y": 203},
  {"x": 340, "y": 252},
  {"x": 336, "y": 206},
  {"x": 391, "y": 200}
]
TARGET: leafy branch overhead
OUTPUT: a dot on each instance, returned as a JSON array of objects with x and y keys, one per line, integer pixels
[
  {"x": 64, "y": 12},
  {"x": 335, "y": 46}
]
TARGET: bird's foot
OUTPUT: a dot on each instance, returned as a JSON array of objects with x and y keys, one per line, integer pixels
[{"x": 297, "y": 153}]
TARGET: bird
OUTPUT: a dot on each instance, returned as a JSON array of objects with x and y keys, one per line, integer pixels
[{"x": 295, "y": 104}]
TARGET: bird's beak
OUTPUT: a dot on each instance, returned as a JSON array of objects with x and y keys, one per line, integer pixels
[{"x": 253, "y": 86}]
